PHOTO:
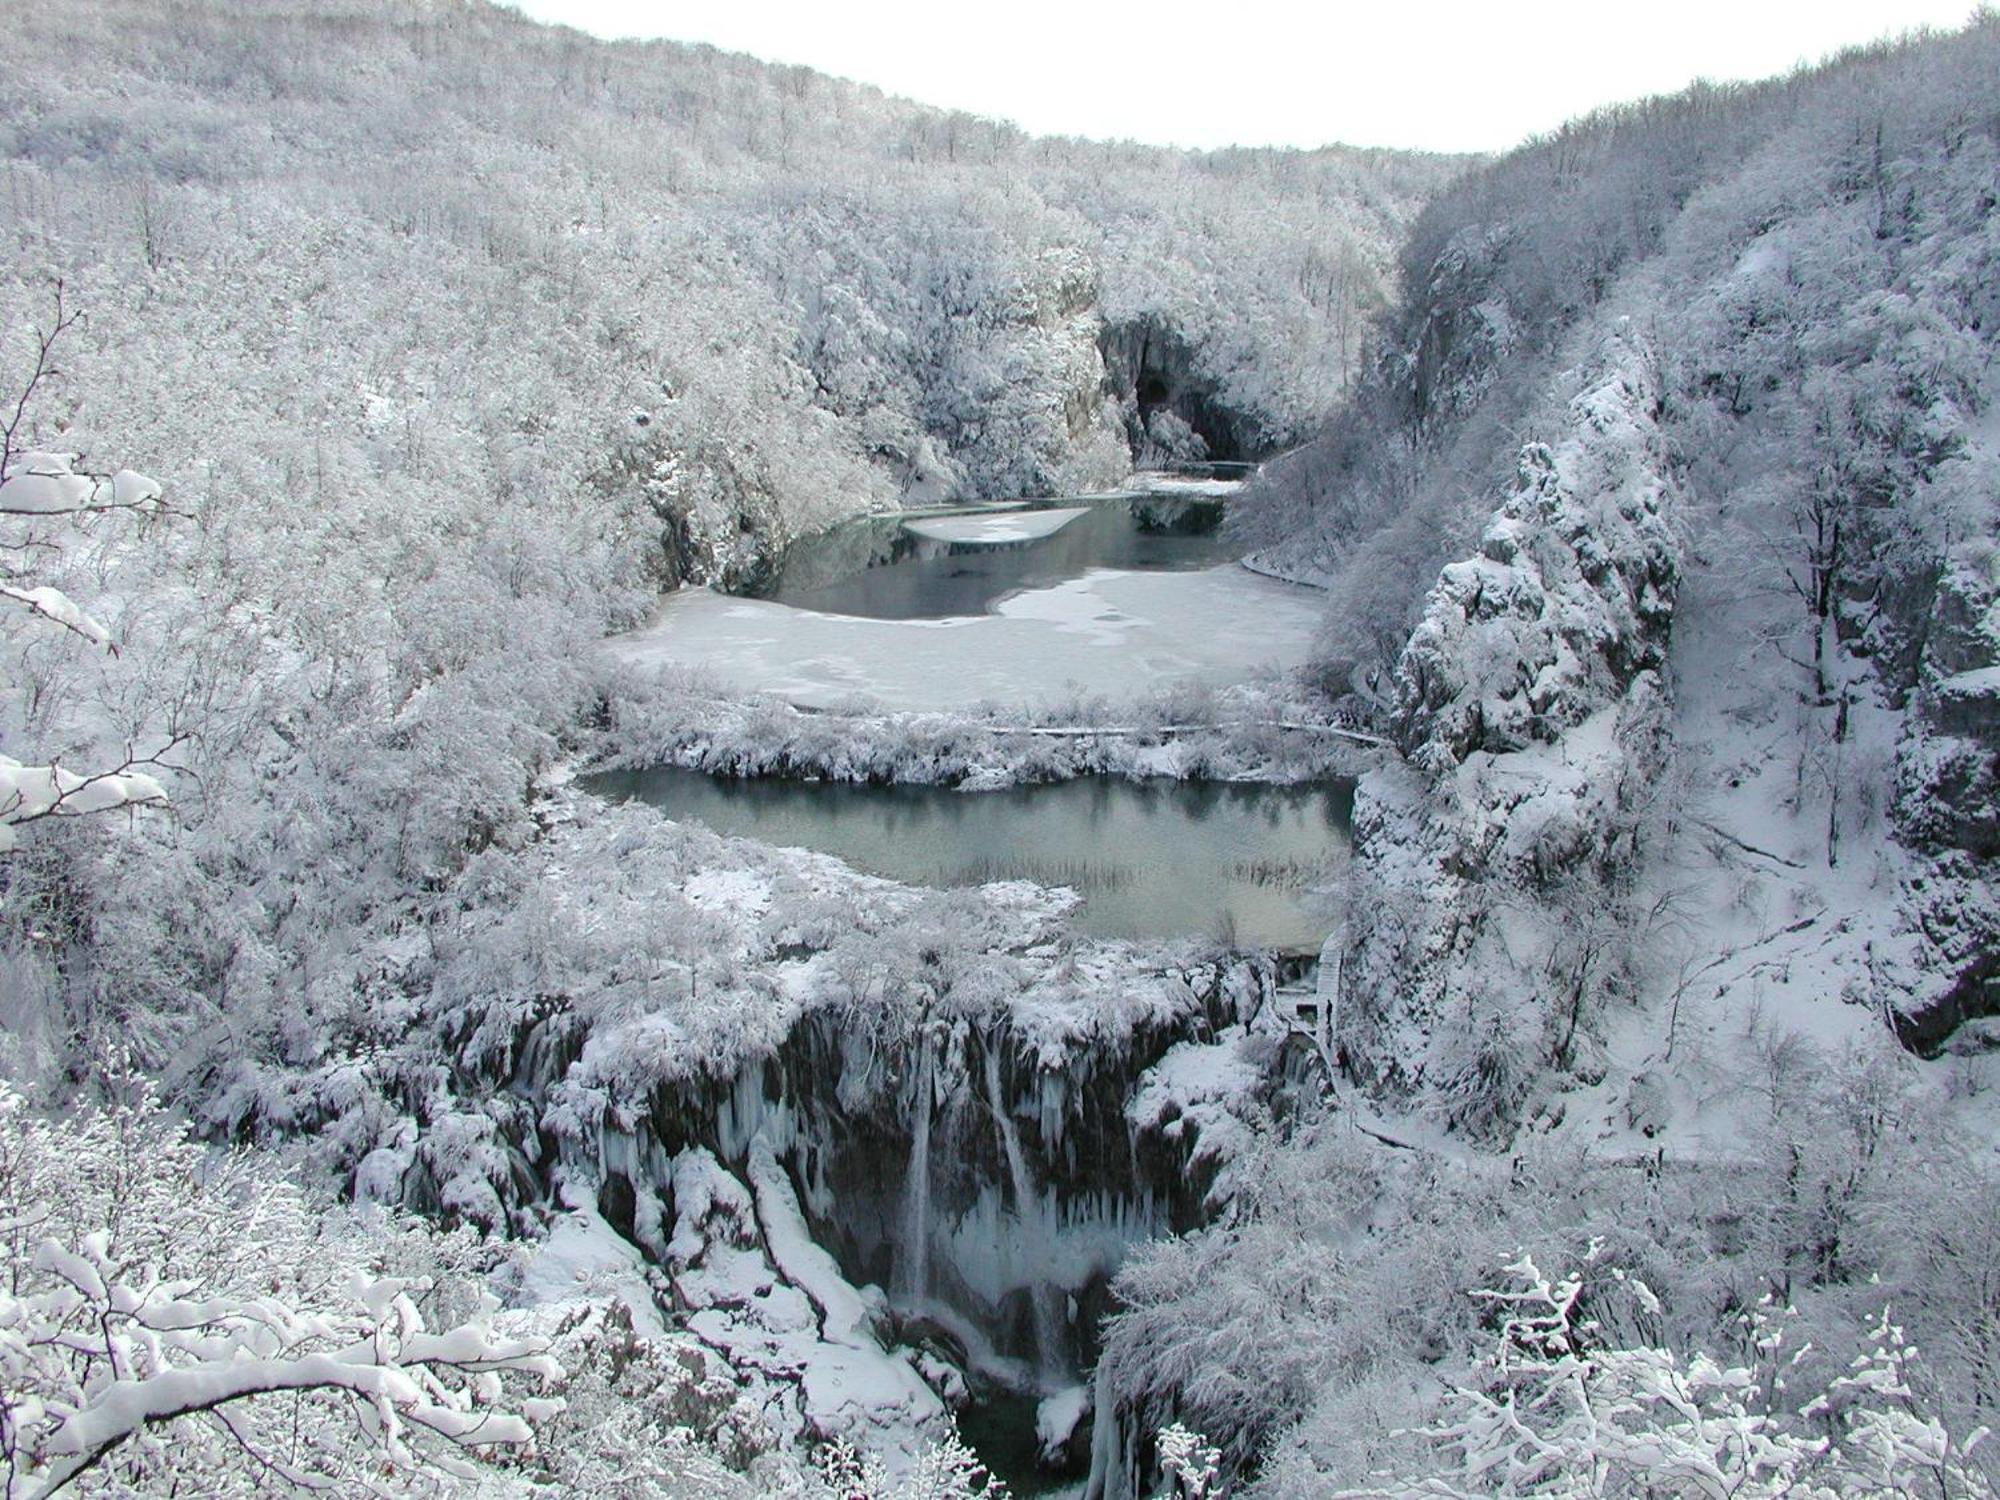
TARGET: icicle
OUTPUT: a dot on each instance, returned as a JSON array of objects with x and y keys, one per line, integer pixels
[
  {"x": 912, "y": 1269},
  {"x": 1048, "y": 1335},
  {"x": 1055, "y": 1106},
  {"x": 1106, "y": 1471}
]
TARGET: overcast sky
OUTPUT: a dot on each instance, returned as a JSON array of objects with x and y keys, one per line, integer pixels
[{"x": 1442, "y": 74}]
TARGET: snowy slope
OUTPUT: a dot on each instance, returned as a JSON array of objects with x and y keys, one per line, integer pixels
[{"x": 1661, "y": 539}]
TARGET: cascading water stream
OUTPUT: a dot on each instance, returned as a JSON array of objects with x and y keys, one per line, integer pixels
[
  {"x": 1031, "y": 1217},
  {"x": 912, "y": 1273},
  {"x": 1046, "y": 1207}
]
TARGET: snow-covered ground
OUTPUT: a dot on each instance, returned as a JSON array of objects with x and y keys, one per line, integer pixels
[
  {"x": 1108, "y": 632},
  {"x": 1769, "y": 959}
]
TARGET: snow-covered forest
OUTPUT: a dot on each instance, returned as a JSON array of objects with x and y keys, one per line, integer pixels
[{"x": 387, "y": 1107}]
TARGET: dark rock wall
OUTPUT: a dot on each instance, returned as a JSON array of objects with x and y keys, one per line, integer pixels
[
  {"x": 1154, "y": 373},
  {"x": 840, "y": 1104}
]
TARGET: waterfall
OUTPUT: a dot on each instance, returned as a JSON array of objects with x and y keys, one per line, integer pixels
[
  {"x": 912, "y": 1272},
  {"x": 837, "y": 1102},
  {"x": 1027, "y": 1202}
]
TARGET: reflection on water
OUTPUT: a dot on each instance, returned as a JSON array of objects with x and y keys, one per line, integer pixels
[
  {"x": 1152, "y": 859},
  {"x": 879, "y": 569}
]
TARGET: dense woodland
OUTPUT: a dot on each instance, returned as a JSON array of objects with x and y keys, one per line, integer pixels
[
  {"x": 1658, "y": 537},
  {"x": 379, "y": 1106},
  {"x": 443, "y": 445}
]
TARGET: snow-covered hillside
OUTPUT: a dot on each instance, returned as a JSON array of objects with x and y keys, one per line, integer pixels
[
  {"x": 393, "y": 249},
  {"x": 1658, "y": 538},
  {"x": 1755, "y": 498},
  {"x": 454, "y": 339},
  {"x": 1636, "y": 1129}
]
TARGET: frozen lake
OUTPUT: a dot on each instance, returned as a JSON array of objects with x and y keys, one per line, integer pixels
[
  {"x": 1007, "y": 606},
  {"x": 1021, "y": 606},
  {"x": 936, "y": 567},
  {"x": 1105, "y": 634}
]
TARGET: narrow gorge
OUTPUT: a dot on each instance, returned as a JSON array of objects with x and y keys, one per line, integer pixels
[{"x": 758, "y": 790}]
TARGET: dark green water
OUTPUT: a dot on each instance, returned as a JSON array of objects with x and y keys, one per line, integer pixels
[
  {"x": 1000, "y": 1428},
  {"x": 1152, "y": 859},
  {"x": 879, "y": 569}
]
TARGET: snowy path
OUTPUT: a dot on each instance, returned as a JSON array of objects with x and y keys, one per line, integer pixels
[
  {"x": 1109, "y": 632},
  {"x": 1762, "y": 951}
]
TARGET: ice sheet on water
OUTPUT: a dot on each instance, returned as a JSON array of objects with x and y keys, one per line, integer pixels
[
  {"x": 995, "y": 530},
  {"x": 1107, "y": 633}
]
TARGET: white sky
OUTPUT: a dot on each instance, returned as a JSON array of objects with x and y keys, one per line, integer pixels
[{"x": 1443, "y": 74}]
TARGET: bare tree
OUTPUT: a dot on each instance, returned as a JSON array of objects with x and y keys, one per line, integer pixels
[{"x": 40, "y": 488}]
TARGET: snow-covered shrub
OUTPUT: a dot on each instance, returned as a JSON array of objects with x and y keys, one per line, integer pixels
[
  {"x": 647, "y": 1414},
  {"x": 947, "y": 1470},
  {"x": 44, "y": 501},
  {"x": 171, "y": 1316},
  {"x": 1192, "y": 1466},
  {"x": 1557, "y": 1409}
]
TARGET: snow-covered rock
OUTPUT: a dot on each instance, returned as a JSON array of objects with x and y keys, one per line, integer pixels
[{"x": 1531, "y": 713}]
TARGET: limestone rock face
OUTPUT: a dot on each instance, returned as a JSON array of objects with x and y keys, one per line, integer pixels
[
  {"x": 1531, "y": 715},
  {"x": 1948, "y": 791},
  {"x": 1171, "y": 410},
  {"x": 1568, "y": 598}
]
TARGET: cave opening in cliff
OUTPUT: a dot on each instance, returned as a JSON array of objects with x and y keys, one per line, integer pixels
[{"x": 1175, "y": 412}]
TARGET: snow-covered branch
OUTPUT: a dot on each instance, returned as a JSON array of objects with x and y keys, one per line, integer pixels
[
  {"x": 41, "y": 484},
  {"x": 186, "y": 1336},
  {"x": 30, "y": 793},
  {"x": 47, "y": 486},
  {"x": 1556, "y": 1410},
  {"x": 58, "y": 608}
]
